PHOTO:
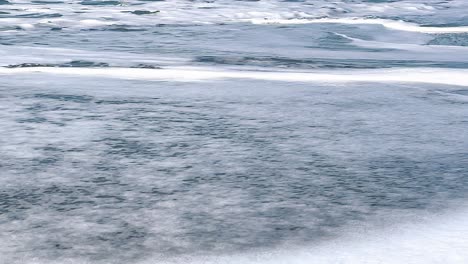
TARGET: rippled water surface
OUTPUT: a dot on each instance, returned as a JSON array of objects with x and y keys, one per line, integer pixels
[{"x": 233, "y": 131}]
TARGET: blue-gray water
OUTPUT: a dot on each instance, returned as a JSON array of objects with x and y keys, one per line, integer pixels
[{"x": 233, "y": 131}]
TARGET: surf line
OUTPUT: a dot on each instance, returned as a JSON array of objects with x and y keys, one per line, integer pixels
[
  {"x": 390, "y": 24},
  {"x": 193, "y": 74}
]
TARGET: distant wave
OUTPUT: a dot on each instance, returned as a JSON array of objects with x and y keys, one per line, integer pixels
[
  {"x": 186, "y": 74},
  {"x": 404, "y": 46},
  {"x": 390, "y": 24}
]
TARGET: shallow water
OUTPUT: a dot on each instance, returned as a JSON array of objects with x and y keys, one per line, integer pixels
[{"x": 233, "y": 131}]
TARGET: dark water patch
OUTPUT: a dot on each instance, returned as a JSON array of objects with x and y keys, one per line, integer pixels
[
  {"x": 44, "y": 163},
  {"x": 125, "y": 101},
  {"x": 36, "y": 119},
  {"x": 142, "y": 12},
  {"x": 398, "y": 174},
  {"x": 129, "y": 234},
  {"x": 65, "y": 97},
  {"x": 116, "y": 28},
  {"x": 461, "y": 92},
  {"x": 4, "y": 2},
  {"x": 122, "y": 28},
  {"x": 46, "y": 2},
  {"x": 30, "y": 65},
  {"x": 59, "y": 198},
  {"x": 380, "y": 1},
  {"x": 36, "y": 107},
  {"x": 38, "y": 15},
  {"x": 19, "y": 199},
  {"x": 129, "y": 148},
  {"x": 450, "y": 40},
  {"x": 147, "y": 66},
  {"x": 332, "y": 41},
  {"x": 462, "y": 23},
  {"x": 323, "y": 63},
  {"x": 208, "y": 7},
  {"x": 82, "y": 63},
  {"x": 73, "y": 64},
  {"x": 101, "y": 3},
  {"x": 459, "y": 97}
]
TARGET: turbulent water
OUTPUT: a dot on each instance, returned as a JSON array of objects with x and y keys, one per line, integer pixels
[{"x": 223, "y": 131}]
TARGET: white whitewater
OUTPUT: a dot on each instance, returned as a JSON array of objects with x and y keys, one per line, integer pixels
[
  {"x": 438, "y": 239},
  {"x": 186, "y": 74},
  {"x": 433, "y": 240},
  {"x": 390, "y": 24}
]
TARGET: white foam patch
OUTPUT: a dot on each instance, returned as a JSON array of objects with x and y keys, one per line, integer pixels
[
  {"x": 185, "y": 74},
  {"x": 390, "y": 24},
  {"x": 12, "y": 55},
  {"x": 439, "y": 241},
  {"x": 436, "y": 240}
]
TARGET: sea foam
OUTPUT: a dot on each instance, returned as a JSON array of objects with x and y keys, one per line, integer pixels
[
  {"x": 191, "y": 74},
  {"x": 387, "y": 23},
  {"x": 434, "y": 240}
]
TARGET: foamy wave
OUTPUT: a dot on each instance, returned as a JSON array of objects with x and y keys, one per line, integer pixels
[
  {"x": 183, "y": 74},
  {"x": 439, "y": 241},
  {"x": 390, "y": 24},
  {"x": 220, "y": 11},
  {"x": 12, "y": 55},
  {"x": 406, "y": 46},
  {"x": 434, "y": 240}
]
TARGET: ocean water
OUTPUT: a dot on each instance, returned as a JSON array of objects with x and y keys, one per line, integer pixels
[{"x": 237, "y": 132}]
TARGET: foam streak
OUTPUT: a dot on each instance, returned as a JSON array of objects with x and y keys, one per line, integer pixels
[{"x": 435, "y": 76}]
